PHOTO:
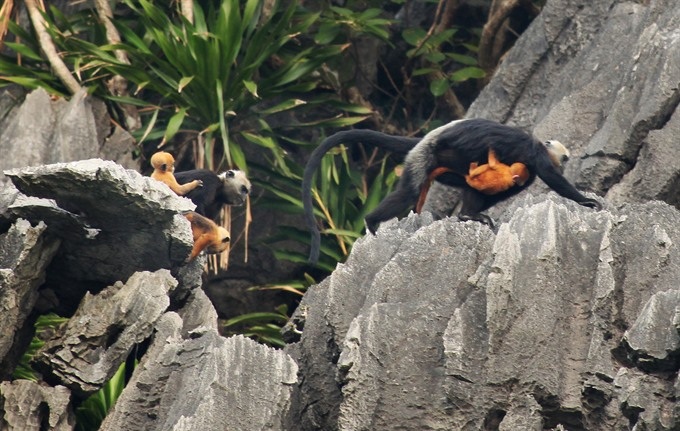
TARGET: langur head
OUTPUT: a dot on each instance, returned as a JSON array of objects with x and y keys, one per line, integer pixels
[
  {"x": 559, "y": 154},
  {"x": 520, "y": 174},
  {"x": 235, "y": 187},
  {"x": 221, "y": 243},
  {"x": 163, "y": 162}
]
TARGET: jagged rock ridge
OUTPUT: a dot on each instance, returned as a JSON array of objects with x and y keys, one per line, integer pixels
[
  {"x": 111, "y": 246},
  {"x": 451, "y": 326}
]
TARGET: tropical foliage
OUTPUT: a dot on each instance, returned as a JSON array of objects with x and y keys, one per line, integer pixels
[{"x": 237, "y": 78}]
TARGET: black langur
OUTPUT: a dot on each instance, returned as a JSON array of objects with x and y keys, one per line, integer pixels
[
  {"x": 228, "y": 188},
  {"x": 453, "y": 146},
  {"x": 207, "y": 235},
  {"x": 163, "y": 167}
]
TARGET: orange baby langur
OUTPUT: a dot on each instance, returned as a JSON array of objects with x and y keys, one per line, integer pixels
[
  {"x": 207, "y": 235},
  {"x": 163, "y": 170},
  {"x": 490, "y": 178},
  {"x": 496, "y": 177}
]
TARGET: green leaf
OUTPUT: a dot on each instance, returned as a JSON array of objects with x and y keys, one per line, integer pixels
[
  {"x": 435, "y": 57},
  {"x": 24, "y": 50},
  {"x": 184, "y": 82},
  {"x": 32, "y": 83},
  {"x": 467, "y": 73},
  {"x": 424, "y": 71},
  {"x": 334, "y": 122},
  {"x": 174, "y": 124},
  {"x": 238, "y": 157},
  {"x": 283, "y": 106},
  {"x": 439, "y": 87},
  {"x": 327, "y": 33},
  {"x": 251, "y": 86},
  {"x": 255, "y": 317},
  {"x": 342, "y": 11},
  {"x": 413, "y": 35},
  {"x": 466, "y": 60},
  {"x": 343, "y": 232},
  {"x": 260, "y": 140}
]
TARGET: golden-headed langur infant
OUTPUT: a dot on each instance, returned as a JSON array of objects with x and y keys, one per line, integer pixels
[
  {"x": 207, "y": 235},
  {"x": 495, "y": 177},
  {"x": 163, "y": 170},
  {"x": 490, "y": 178}
]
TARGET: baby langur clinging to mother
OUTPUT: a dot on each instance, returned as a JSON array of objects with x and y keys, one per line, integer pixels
[
  {"x": 495, "y": 177},
  {"x": 163, "y": 170},
  {"x": 207, "y": 235},
  {"x": 489, "y": 178},
  {"x": 452, "y": 147}
]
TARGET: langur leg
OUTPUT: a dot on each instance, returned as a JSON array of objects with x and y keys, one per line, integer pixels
[
  {"x": 199, "y": 244},
  {"x": 474, "y": 203},
  {"x": 393, "y": 205}
]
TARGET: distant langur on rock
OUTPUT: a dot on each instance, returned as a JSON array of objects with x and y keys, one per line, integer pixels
[
  {"x": 452, "y": 148},
  {"x": 228, "y": 188},
  {"x": 207, "y": 235},
  {"x": 163, "y": 170}
]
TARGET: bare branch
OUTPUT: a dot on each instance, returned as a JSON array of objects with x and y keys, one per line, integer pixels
[
  {"x": 187, "y": 7},
  {"x": 47, "y": 46},
  {"x": 112, "y": 35},
  {"x": 118, "y": 85},
  {"x": 500, "y": 10}
]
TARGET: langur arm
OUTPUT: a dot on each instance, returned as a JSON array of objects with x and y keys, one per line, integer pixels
[
  {"x": 549, "y": 174},
  {"x": 183, "y": 189},
  {"x": 200, "y": 244}
]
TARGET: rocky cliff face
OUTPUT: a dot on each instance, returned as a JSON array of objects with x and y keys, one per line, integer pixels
[
  {"x": 107, "y": 247},
  {"x": 564, "y": 318}
]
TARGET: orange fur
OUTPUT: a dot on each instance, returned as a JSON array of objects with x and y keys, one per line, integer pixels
[
  {"x": 207, "y": 235},
  {"x": 490, "y": 178},
  {"x": 163, "y": 170},
  {"x": 425, "y": 188},
  {"x": 495, "y": 177}
]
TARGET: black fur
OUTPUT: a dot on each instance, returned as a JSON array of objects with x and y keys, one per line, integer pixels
[
  {"x": 455, "y": 146},
  {"x": 214, "y": 194}
]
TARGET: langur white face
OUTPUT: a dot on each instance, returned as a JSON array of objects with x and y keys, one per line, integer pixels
[
  {"x": 559, "y": 154},
  {"x": 236, "y": 186}
]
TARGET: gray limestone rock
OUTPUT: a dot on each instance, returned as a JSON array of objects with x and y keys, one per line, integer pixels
[
  {"x": 112, "y": 221},
  {"x": 29, "y": 406},
  {"x": 653, "y": 340},
  {"x": 461, "y": 328},
  {"x": 37, "y": 129},
  {"x": 25, "y": 253},
  {"x": 204, "y": 382},
  {"x": 97, "y": 339}
]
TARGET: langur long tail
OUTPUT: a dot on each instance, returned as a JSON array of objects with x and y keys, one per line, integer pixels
[{"x": 397, "y": 144}]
